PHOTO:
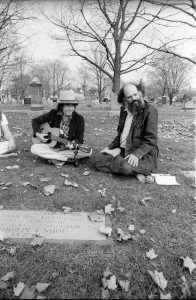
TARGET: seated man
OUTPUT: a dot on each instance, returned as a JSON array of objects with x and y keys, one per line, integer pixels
[
  {"x": 59, "y": 134},
  {"x": 7, "y": 143},
  {"x": 134, "y": 151}
]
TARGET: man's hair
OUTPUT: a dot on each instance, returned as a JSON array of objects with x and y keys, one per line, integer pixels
[
  {"x": 60, "y": 107},
  {"x": 139, "y": 86}
]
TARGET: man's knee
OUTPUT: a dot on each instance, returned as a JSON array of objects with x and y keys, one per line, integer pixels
[
  {"x": 121, "y": 166},
  {"x": 102, "y": 163},
  {"x": 35, "y": 149}
]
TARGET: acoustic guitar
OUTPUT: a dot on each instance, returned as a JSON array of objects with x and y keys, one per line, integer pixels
[{"x": 56, "y": 138}]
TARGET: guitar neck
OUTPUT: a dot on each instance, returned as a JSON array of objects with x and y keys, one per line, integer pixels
[{"x": 59, "y": 139}]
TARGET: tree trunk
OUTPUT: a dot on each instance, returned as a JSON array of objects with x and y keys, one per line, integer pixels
[{"x": 117, "y": 68}]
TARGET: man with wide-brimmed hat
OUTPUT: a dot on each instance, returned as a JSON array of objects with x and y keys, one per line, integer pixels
[{"x": 67, "y": 144}]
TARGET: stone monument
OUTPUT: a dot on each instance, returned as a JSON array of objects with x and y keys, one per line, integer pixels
[{"x": 35, "y": 91}]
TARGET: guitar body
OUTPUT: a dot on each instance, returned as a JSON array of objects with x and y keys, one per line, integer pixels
[
  {"x": 46, "y": 129},
  {"x": 56, "y": 138}
]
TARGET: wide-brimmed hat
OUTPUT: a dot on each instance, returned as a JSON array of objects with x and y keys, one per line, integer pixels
[{"x": 67, "y": 97}]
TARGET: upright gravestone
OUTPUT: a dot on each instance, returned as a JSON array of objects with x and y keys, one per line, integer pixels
[
  {"x": 164, "y": 98},
  {"x": 35, "y": 91},
  {"x": 115, "y": 107}
]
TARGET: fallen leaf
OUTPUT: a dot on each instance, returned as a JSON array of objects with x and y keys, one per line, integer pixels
[
  {"x": 41, "y": 287},
  {"x": 74, "y": 184},
  {"x": 102, "y": 192},
  {"x": 66, "y": 209},
  {"x": 152, "y": 296},
  {"x": 99, "y": 211},
  {"x": 112, "y": 283},
  {"x": 143, "y": 200},
  {"x": 37, "y": 241},
  {"x": 119, "y": 207},
  {"x": 86, "y": 173},
  {"x": 8, "y": 276},
  {"x": 159, "y": 279},
  {"x": 11, "y": 250},
  {"x": 64, "y": 175},
  {"x": 188, "y": 263},
  {"x": 124, "y": 284},
  {"x": 105, "y": 294},
  {"x": 185, "y": 289},
  {"x": 28, "y": 293},
  {"x": 8, "y": 184},
  {"x": 165, "y": 296},
  {"x": 95, "y": 217},
  {"x": 131, "y": 228},
  {"x": 123, "y": 236},
  {"x": 86, "y": 190},
  {"x": 2, "y": 183},
  {"x": 18, "y": 289},
  {"x": 25, "y": 183},
  {"x": 105, "y": 230},
  {"x": 173, "y": 211},
  {"x": 109, "y": 209},
  {"x": 49, "y": 189},
  {"x": 142, "y": 231},
  {"x": 54, "y": 275},
  {"x": 45, "y": 179},
  {"x": 151, "y": 254}
]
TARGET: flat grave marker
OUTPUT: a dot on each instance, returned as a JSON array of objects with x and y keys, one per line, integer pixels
[
  {"x": 23, "y": 224},
  {"x": 189, "y": 174}
]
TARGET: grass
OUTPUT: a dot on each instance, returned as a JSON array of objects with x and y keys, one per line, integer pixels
[{"x": 81, "y": 265}]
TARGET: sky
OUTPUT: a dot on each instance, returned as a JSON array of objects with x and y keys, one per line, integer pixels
[{"x": 40, "y": 46}]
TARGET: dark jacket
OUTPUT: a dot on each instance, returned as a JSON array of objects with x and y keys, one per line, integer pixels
[
  {"x": 142, "y": 138},
  {"x": 53, "y": 117}
]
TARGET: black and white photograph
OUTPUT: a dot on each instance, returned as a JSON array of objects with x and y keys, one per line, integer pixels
[{"x": 97, "y": 149}]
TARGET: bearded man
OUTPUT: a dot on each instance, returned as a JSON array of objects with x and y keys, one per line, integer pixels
[{"x": 134, "y": 151}]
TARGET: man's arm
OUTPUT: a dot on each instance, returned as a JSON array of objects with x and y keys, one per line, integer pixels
[
  {"x": 149, "y": 139},
  {"x": 36, "y": 122},
  {"x": 8, "y": 136},
  {"x": 79, "y": 139}
]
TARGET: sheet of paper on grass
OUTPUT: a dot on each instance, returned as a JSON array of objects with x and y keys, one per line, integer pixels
[{"x": 165, "y": 179}]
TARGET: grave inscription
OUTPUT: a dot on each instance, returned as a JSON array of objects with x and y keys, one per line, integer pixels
[{"x": 71, "y": 226}]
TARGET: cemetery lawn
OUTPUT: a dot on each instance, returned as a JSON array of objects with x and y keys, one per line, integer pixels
[{"x": 75, "y": 270}]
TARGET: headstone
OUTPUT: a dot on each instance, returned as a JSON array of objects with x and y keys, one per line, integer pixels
[
  {"x": 35, "y": 91},
  {"x": 115, "y": 106},
  {"x": 19, "y": 224},
  {"x": 189, "y": 174},
  {"x": 164, "y": 98},
  {"x": 190, "y": 104}
]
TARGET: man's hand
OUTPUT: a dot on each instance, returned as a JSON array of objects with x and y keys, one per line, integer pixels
[
  {"x": 113, "y": 152},
  {"x": 41, "y": 137},
  {"x": 132, "y": 160},
  {"x": 105, "y": 150}
]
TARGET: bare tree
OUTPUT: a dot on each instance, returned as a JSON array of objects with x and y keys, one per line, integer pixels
[
  {"x": 52, "y": 73},
  {"x": 169, "y": 74},
  {"x": 12, "y": 15},
  {"x": 122, "y": 27},
  {"x": 85, "y": 79}
]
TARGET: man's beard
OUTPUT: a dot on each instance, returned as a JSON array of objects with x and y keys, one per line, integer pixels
[{"x": 135, "y": 107}]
